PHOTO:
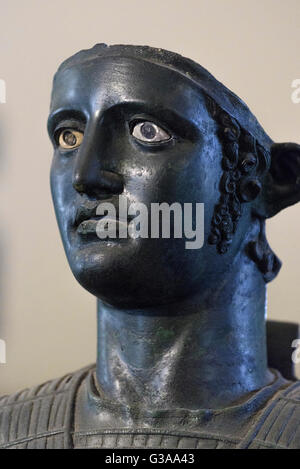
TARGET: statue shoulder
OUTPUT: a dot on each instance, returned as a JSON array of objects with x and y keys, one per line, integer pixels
[
  {"x": 292, "y": 403},
  {"x": 41, "y": 416},
  {"x": 278, "y": 424}
]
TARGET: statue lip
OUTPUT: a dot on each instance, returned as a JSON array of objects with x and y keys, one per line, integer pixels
[
  {"x": 91, "y": 227},
  {"x": 86, "y": 218},
  {"x": 86, "y": 211}
]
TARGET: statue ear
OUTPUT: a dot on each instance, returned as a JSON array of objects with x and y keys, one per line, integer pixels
[{"x": 281, "y": 187}]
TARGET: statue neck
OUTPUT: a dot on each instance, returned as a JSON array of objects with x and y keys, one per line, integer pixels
[{"x": 208, "y": 351}]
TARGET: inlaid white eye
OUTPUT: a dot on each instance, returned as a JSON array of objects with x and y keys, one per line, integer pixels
[
  {"x": 70, "y": 139},
  {"x": 149, "y": 132}
]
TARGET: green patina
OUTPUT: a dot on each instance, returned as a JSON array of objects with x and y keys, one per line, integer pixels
[{"x": 164, "y": 334}]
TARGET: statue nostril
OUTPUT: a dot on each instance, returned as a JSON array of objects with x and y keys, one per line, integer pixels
[
  {"x": 111, "y": 182},
  {"x": 79, "y": 187},
  {"x": 99, "y": 184}
]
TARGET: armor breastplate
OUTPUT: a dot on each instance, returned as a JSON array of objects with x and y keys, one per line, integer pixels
[{"x": 44, "y": 417}]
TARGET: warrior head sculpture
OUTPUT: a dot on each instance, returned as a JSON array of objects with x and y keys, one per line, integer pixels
[{"x": 182, "y": 357}]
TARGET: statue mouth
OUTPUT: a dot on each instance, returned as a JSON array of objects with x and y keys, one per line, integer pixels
[
  {"x": 88, "y": 222},
  {"x": 85, "y": 212},
  {"x": 98, "y": 226}
]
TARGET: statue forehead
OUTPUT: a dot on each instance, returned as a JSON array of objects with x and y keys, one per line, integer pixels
[
  {"x": 191, "y": 72},
  {"x": 137, "y": 67},
  {"x": 113, "y": 80}
]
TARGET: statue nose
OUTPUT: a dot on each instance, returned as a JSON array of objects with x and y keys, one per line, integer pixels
[
  {"x": 96, "y": 183},
  {"x": 94, "y": 171}
]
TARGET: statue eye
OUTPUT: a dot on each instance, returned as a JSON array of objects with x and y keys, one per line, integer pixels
[
  {"x": 149, "y": 132},
  {"x": 70, "y": 139}
]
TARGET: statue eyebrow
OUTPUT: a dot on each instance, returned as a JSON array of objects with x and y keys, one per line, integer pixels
[{"x": 64, "y": 115}]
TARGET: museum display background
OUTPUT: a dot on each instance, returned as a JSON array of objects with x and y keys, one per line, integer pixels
[{"x": 47, "y": 320}]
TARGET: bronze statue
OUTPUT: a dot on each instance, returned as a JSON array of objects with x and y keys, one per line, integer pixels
[{"x": 182, "y": 357}]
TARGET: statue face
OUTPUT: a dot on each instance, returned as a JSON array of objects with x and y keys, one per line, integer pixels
[{"x": 104, "y": 147}]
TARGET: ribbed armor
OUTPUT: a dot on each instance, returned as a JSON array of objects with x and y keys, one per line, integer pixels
[
  {"x": 43, "y": 418},
  {"x": 40, "y": 417}
]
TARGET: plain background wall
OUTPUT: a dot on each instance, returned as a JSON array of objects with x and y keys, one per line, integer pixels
[{"x": 252, "y": 46}]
